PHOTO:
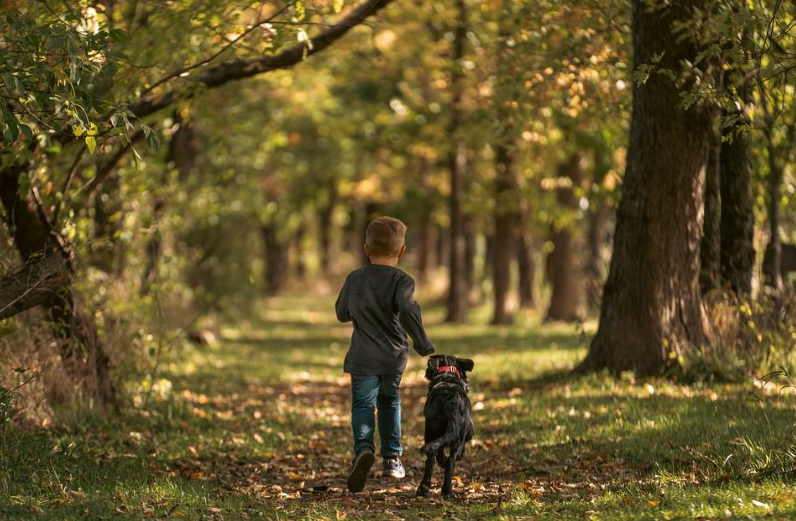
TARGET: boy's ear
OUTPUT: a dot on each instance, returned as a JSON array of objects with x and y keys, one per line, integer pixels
[
  {"x": 402, "y": 252},
  {"x": 465, "y": 364},
  {"x": 367, "y": 251}
]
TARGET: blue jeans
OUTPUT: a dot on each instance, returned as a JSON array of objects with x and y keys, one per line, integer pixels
[{"x": 369, "y": 393}]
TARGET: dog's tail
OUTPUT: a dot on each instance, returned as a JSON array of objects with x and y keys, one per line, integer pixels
[{"x": 450, "y": 436}]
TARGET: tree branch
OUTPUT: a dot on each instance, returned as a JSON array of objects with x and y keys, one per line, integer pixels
[{"x": 238, "y": 69}]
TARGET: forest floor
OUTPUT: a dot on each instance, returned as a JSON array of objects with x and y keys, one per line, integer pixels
[{"x": 257, "y": 427}]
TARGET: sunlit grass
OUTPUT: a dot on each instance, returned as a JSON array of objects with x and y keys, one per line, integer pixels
[{"x": 250, "y": 423}]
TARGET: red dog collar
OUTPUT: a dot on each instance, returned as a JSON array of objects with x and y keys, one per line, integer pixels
[{"x": 449, "y": 369}]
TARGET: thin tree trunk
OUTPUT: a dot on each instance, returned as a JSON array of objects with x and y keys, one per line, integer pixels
[
  {"x": 565, "y": 300},
  {"x": 426, "y": 244},
  {"x": 276, "y": 259},
  {"x": 651, "y": 302},
  {"x": 325, "y": 226},
  {"x": 710, "y": 246},
  {"x": 183, "y": 150},
  {"x": 772, "y": 265},
  {"x": 457, "y": 290},
  {"x": 595, "y": 238},
  {"x": 505, "y": 217},
  {"x": 527, "y": 269},
  {"x": 737, "y": 206}
]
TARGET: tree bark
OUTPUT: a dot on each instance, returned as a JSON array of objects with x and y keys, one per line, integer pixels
[
  {"x": 651, "y": 302},
  {"x": 457, "y": 159},
  {"x": 710, "y": 246},
  {"x": 737, "y": 206},
  {"x": 505, "y": 219},
  {"x": 565, "y": 300}
]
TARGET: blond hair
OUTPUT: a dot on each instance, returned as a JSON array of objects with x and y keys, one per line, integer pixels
[{"x": 385, "y": 236}]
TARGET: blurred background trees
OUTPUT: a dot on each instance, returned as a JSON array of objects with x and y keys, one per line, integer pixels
[{"x": 166, "y": 163}]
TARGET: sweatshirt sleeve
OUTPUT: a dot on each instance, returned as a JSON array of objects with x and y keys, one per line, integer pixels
[
  {"x": 409, "y": 315},
  {"x": 341, "y": 306}
]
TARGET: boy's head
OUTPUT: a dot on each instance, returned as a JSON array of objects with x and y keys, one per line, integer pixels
[{"x": 385, "y": 238}]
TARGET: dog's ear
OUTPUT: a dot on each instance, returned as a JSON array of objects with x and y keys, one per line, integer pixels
[
  {"x": 431, "y": 367},
  {"x": 465, "y": 364}
]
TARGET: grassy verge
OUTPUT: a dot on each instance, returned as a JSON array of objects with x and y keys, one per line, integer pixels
[{"x": 258, "y": 427}]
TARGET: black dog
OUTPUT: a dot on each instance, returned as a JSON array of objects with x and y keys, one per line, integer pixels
[{"x": 448, "y": 417}]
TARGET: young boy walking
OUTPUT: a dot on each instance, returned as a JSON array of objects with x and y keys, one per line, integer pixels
[{"x": 379, "y": 299}]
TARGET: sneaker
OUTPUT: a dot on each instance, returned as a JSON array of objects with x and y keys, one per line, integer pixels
[
  {"x": 359, "y": 471},
  {"x": 392, "y": 468}
]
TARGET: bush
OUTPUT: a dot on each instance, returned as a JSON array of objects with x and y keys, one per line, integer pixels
[{"x": 746, "y": 340}]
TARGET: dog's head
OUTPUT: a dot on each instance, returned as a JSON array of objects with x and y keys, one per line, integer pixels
[{"x": 463, "y": 365}]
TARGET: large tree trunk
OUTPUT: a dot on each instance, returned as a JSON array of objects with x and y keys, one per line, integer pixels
[
  {"x": 505, "y": 231},
  {"x": 737, "y": 206},
  {"x": 83, "y": 354},
  {"x": 457, "y": 159},
  {"x": 565, "y": 300},
  {"x": 276, "y": 259},
  {"x": 710, "y": 246},
  {"x": 651, "y": 303}
]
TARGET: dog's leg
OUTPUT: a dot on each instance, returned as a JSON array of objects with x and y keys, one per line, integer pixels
[
  {"x": 447, "y": 485},
  {"x": 425, "y": 484}
]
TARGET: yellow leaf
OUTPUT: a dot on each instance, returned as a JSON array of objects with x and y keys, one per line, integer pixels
[
  {"x": 91, "y": 144},
  {"x": 293, "y": 475},
  {"x": 653, "y": 503}
]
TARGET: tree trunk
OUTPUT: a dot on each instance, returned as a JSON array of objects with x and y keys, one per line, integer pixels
[
  {"x": 710, "y": 246},
  {"x": 276, "y": 259},
  {"x": 565, "y": 300},
  {"x": 154, "y": 250},
  {"x": 737, "y": 206},
  {"x": 470, "y": 246},
  {"x": 772, "y": 265},
  {"x": 527, "y": 269},
  {"x": 83, "y": 354},
  {"x": 325, "y": 226},
  {"x": 426, "y": 243},
  {"x": 505, "y": 231},
  {"x": 596, "y": 238},
  {"x": 457, "y": 159},
  {"x": 651, "y": 302},
  {"x": 298, "y": 247}
]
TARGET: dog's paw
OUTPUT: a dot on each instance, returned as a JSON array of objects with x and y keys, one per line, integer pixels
[
  {"x": 447, "y": 494},
  {"x": 421, "y": 491}
]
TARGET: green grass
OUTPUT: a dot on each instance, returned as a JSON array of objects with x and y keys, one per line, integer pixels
[{"x": 258, "y": 427}]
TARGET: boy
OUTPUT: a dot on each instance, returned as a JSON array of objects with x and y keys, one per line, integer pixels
[{"x": 379, "y": 299}]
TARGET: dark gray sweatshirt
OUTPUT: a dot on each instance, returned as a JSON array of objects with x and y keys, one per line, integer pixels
[{"x": 380, "y": 301}]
